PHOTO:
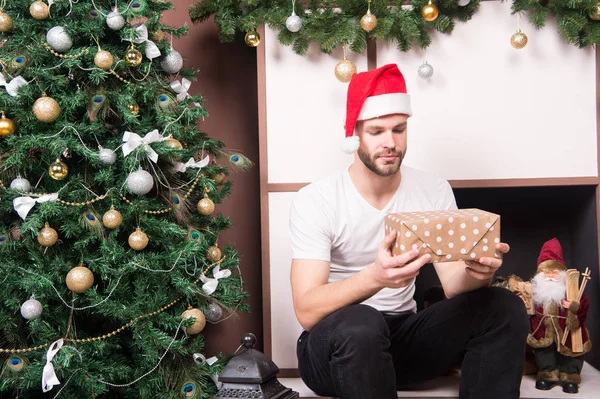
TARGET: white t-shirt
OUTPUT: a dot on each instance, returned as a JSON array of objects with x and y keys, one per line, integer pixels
[{"x": 331, "y": 221}]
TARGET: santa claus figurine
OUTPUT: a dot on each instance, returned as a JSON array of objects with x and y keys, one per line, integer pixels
[{"x": 553, "y": 313}]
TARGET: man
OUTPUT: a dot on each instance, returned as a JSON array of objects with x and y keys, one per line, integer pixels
[
  {"x": 363, "y": 338},
  {"x": 553, "y": 313}
]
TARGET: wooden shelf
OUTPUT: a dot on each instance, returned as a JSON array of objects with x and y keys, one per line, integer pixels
[{"x": 447, "y": 388}]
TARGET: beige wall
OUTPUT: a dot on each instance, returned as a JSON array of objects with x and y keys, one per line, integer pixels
[{"x": 227, "y": 81}]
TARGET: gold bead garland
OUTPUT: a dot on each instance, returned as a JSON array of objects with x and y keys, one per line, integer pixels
[{"x": 64, "y": 56}]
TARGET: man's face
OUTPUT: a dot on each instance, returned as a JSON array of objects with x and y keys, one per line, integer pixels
[{"x": 382, "y": 143}]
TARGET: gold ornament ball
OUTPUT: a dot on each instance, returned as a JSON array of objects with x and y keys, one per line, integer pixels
[
  {"x": 199, "y": 323},
  {"x": 58, "y": 170},
  {"x": 158, "y": 36},
  {"x": 368, "y": 21},
  {"x": 219, "y": 178},
  {"x": 173, "y": 143},
  {"x": 46, "y": 109},
  {"x": 133, "y": 57},
  {"x": 134, "y": 108},
  {"x": 206, "y": 206},
  {"x": 5, "y": 22},
  {"x": 518, "y": 40},
  {"x": 595, "y": 13},
  {"x": 7, "y": 126},
  {"x": 79, "y": 279},
  {"x": 112, "y": 219},
  {"x": 344, "y": 70},
  {"x": 39, "y": 10},
  {"x": 252, "y": 38},
  {"x": 138, "y": 240},
  {"x": 430, "y": 12},
  {"x": 47, "y": 236},
  {"x": 213, "y": 254},
  {"x": 103, "y": 60}
]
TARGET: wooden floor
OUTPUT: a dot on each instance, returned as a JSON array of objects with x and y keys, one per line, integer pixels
[{"x": 447, "y": 388}]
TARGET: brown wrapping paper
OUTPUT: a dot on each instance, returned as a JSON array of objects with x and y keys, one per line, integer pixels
[{"x": 448, "y": 236}]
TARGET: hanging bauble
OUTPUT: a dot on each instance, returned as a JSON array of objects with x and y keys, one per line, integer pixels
[
  {"x": 39, "y": 10},
  {"x": 107, "y": 156},
  {"x": 115, "y": 20},
  {"x": 595, "y": 13},
  {"x": 79, "y": 279},
  {"x": 47, "y": 236},
  {"x": 140, "y": 182},
  {"x": 344, "y": 70},
  {"x": 134, "y": 108},
  {"x": 133, "y": 57},
  {"x": 7, "y": 126},
  {"x": 58, "y": 39},
  {"x": 463, "y": 3},
  {"x": 172, "y": 62},
  {"x": 15, "y": 364},
  {"x": 213, "y": 312},
  {"x": 252, "y": 38},
  {"x": 112, "y": 218},
  {"x": 5, "y": 22},
  {"x": 199, "y": 323},
  {"x": 425, "y": 71},
  {"x": 293, "y": 23},
  {"x": 213, "y": 254},
  {"x": 206, "y": 206},
  {"x": 58, "y": 170},
  {"x": 103, "y": 60},
  {"x": 46, "y": 109},
  {"x": 430, "y": 12},
  {"x": 173, "y": 143},
  {"x": 368, "y": 21},
  {"x": 219, "y": 178},
  {"x": 138, "y": 240},
  {"x": 20, "y": 184},
  {"x": 31, "y": 309},
  {"x": 518, "y": 40}
]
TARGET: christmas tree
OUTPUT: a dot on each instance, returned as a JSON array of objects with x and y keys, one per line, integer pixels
[{"x": 109, "y": 240}]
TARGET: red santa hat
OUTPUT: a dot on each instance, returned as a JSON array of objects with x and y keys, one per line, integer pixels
[
  {"x": 371, "y": 94},
  {"x": 551, "y": 257}
]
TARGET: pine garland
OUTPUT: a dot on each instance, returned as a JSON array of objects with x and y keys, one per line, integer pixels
[{"x": 337, "y": 23}]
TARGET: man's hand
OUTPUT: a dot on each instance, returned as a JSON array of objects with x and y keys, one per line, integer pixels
[
  {"x": 396, "y": 271},
  {"x": 485, "y": 268}
]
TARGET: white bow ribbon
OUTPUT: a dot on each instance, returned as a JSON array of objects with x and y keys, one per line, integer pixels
[
  {"x": 182, "y": 167},
  {"x": 49, "y": 378},
  {"x": 24, "y": 204},
  {"x": 12, "y": 87},
  {"x": 182, "y": 88},
  {"x": 131, "y": 141},
  {"x": 210, "y": 284},
  {"x": 152, "y": 50}
]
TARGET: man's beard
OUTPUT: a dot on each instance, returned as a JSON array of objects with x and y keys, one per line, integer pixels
[
  {"x": 385, "y": 170},
  {"x": 546, "y": 292}
]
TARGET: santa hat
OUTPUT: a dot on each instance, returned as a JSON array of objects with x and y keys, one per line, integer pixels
[
  {"x": 551, "y": 257},
  {"x": 371, "y": 94}
]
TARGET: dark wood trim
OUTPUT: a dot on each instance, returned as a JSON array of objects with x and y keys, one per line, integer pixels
[
  {"x": 371, "y": 54},
  {"x": 264, "y": 193},
  {"x": 288, "y": 373},
  {"x": 597, "y": 52}
]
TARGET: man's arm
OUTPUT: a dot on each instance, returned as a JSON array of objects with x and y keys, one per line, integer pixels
[
  {"x": 315, "y": 298},
  {"x": 459, "y": 277}
]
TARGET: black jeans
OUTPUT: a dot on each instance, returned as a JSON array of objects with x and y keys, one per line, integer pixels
[{"x": 359, "y": 353}]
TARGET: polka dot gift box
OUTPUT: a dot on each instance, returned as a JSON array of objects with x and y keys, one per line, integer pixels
[{"x": 448, "y": 236}]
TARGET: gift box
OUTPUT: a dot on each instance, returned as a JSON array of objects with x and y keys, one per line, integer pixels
[{"x": 448, "y": 236}]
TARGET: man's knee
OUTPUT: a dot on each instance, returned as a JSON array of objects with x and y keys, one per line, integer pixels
[{"x": 360, "y": 326}]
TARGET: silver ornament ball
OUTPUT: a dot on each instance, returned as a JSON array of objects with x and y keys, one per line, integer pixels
[
  {"x": 172, "y": 63},
  {"x": 463, "y": 3},
  {"x": 140, "y": 182},
  {"x": 107, "y": 156},
  {"x": 213, "y": 312},
  {"x": 20, "y": 184},
  {"x": 31, "y": 309},
  {"x": 293, "y": 23},
  {"x": 58, "y": 39},
  {"x": 115, "y": 20},
  {"x": 425, "y": 70}
]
